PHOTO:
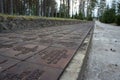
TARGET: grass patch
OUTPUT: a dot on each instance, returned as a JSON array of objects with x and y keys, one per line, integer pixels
[{"x": 35, "y": 17}]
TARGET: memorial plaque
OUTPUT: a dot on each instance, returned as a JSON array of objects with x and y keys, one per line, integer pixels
[
  {"x": 75, "y": 37},
  {"x": 53, "y": 56},
  {"x": 24, "y": 51},
  {"x": 7, "y": 45},
  {"x": 4, "y": 39},
  {"x": 44, "y": 41},
  {"x": 4, "y": 35},
  {"x": 29, "y": 33},
  {"x": 15, "y": 36},
  {"x": 6, "y": 62},
  {"x": 29, "y": 38},
  {"x": 70, "y": 40},
  {"x": 66, "y": 44},
  {"x": 42, "y": 35},
  {"x": 45, "y": 52},
  {"x": 29, "y": 71},
  {"x": 57, "y": 35}
]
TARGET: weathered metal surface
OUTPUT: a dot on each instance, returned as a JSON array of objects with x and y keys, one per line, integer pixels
[
  {"x": 46, "y": 52},
  {"x": 66, "y": 44},
  {"x": 23, "y": 51},
  {"x": 29, "y": 38},
  {"x": 6, "y": 62},
  {"x": 29, "y": 71},
  {"x": 7, "y": 44},
  {"x": 53, "y": 56}
]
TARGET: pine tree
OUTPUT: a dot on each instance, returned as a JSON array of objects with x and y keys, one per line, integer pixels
[
  {"x": 1, "y": 6},
  {"x": 11, "y": 7}
]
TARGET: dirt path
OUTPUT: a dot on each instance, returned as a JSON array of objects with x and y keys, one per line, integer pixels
[{"x": 104, "y": 59}]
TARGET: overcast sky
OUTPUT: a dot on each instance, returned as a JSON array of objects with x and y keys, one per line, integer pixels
[
  {"x": 76, "y": 8},
  {"x": 108, "y": 1}
]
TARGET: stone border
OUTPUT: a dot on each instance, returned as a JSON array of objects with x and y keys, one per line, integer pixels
[
  {"x": 81, "y": 75},
  {"x": 20, "y": 23}
]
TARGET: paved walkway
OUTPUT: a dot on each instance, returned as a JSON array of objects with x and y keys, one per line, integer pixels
[
  {"x": 40, "y": 54},
  {"x": 104, "y": 59}
]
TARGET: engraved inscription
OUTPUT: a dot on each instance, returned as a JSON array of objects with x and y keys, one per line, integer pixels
[
  {"x": 57, "y": 36},
  {"x": 75, "y": 37},
  {"x": 25, "y": 50},
  {"x": 29, "y": 39},
  {"x": 13, "y": 37},
  {"x": 43, "y": 35},
  {"x": 68, "y": 44},
  {"x": 6, "y": 45},
  {"x": 3, "y": 61},
  {"x": 46, "y": 41},
  {"x": 53, "y": 56},
  {"x": 25, "y": 75},
  {"x": 35, "y": 75}
]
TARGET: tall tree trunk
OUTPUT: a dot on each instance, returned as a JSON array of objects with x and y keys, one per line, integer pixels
[
  {"x": 88, "y": 8},
  {"x": 60, "y": 8},
  {"x": 11, "y": 7},
  {"x": 14, "y": 8},
  {"x": 82, "y": 7},
  {"x": 24, "y": 7},
  {"x": 41, "y": 7},
  {"x": 37, "y": 9},
  {"x": 64, "y": 9},
  {"x": 4, "y": 3},
  {"x": 44, "y": 7},
  {"x": 68, "y": 8},
  {"x": 1, "y": 6},
  {"x": 49, "y": 11},
  {"x": 72, "y": 8}
]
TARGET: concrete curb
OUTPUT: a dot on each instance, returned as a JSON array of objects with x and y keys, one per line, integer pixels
[
  {"x": 74, "y": 70},
  {"x": 84, "y": 64}
]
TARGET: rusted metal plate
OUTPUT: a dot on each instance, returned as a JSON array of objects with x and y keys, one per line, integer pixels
[
  {"x": 24, "y": 51},
  {"x": 43, "y": 41},
  {"x": 66, "y": 44},
  {"x": 6, "y": 62},
  {"x": 70, "y": 40},
  {"x": 6, "y": 45},
  {"x": 29, "y": 38},
  {"x": 15, "y": 36},
  {"x": 29, "y": 71},
  {"x": 46, "y": 52},
  {"x": 58, "y": 35},
  {"x": 72, "y": 37},
  {"x": 42, "y": 35},
  {"x": 4, "y": 39},
  {"x": 4, "y": 35},
  {"x": 53, "y": 37},
  {"x": 53, "y": 56}
]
